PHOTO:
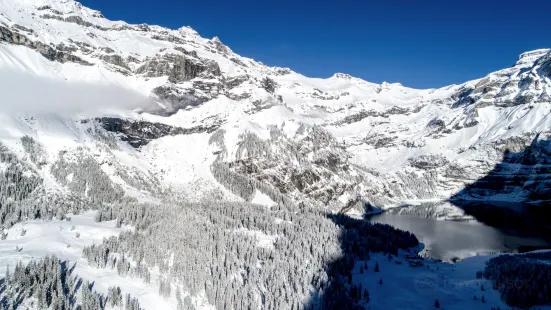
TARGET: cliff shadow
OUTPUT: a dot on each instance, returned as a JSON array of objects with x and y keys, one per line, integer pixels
[{"x": 515, "y": 196}]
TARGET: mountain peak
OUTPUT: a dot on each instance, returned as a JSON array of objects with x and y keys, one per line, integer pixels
[
  {"x": 531, "y": 56},
  {"x": 63, "y": 6},
  {"x": 343, "y": 76},
  {"x": 187, "y": 30},
  {"x": 219, "y": 45}
]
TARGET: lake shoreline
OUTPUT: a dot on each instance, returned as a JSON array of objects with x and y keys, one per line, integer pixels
[{"x": 452, "y": 240}]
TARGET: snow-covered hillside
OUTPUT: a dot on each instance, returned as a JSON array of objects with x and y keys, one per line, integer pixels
[
  {"x": 223, "y": 168},
  {"x": 337, "y": 141}
]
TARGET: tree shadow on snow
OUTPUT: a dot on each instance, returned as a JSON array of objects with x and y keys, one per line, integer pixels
[{"x": 358, "y": 239}]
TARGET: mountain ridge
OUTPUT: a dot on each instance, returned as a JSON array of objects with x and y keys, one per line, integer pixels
[
  {"x": 161, "y": 165},
  {"x": 337, "y": 142}
]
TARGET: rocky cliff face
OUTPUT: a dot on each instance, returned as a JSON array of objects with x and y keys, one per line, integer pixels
[
  {"x": 520, "y": 176},
  {"x": 337, "y": 142}
]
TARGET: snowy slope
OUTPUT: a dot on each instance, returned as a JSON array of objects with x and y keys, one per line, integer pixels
[
  {"x": 337, "y": 141},
  {"x": 66, "y": 239},
  {"x": 97, "y": 113}
]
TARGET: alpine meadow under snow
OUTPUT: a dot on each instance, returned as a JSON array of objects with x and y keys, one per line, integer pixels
[{"x": 149, "y": 168}]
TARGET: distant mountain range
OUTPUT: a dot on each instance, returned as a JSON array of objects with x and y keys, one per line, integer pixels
[{"x": 152, "y": 112}]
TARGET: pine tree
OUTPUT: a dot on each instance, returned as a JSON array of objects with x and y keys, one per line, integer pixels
[
  {"x": 10, "y": 300},
  {"x": 179, "y": 303},
  {"x": 366, "y": 295},
  {"x": 436, "y": 304},
  {"x": 353, "y": 292},
  {"x": 114, "y": 297}
]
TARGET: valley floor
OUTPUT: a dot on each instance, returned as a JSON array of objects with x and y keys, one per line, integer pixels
[
  {"x": 403, "y": 286},
  {"x": 406, "y": 287}
]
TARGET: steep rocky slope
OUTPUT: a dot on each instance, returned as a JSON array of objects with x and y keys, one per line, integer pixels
[{"x": 185, "y": 104}]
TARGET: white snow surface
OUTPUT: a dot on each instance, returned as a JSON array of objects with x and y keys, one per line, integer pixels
[
  {"x": 59, "y": 238},
  {"x": 405, "y": 287},
  {"x": 382, "y": 126},
  {"x": 262, "y": 199}
]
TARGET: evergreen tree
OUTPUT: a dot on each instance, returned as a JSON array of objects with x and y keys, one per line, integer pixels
[
  {"x": 366, "y": 295},
  {"x": 51, "y": 284}
]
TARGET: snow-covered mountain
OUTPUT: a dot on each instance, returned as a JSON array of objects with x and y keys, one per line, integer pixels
[
  {"x": 98, "y": 110},
  {"x": 215, "y": 178}
]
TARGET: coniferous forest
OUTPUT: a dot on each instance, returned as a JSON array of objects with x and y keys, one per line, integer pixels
[
  {"x": 50, "y": 284},
  {"x": 523, "y": 280},
  {"x": 238, "y": 254},
  {"x": 305, "y": 267}
]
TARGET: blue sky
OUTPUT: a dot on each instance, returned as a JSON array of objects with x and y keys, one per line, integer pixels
[{"x": 419, "y": 43}]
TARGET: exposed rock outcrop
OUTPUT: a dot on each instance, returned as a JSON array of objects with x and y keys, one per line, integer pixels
[
  {"x": 179, "y": 68},
  {"x": 51, "y": 53},
  {"x": 140, "y": 133}
]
